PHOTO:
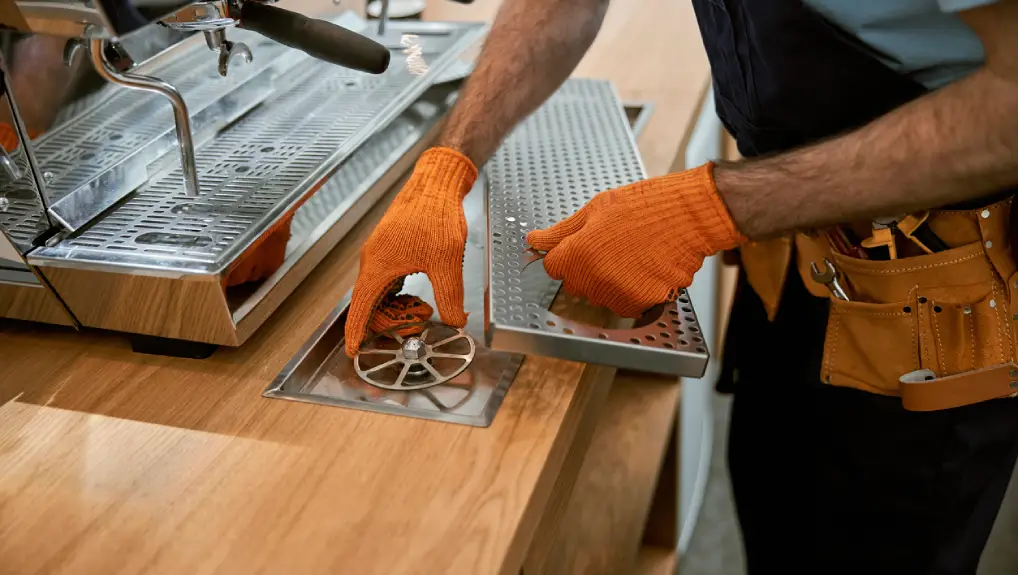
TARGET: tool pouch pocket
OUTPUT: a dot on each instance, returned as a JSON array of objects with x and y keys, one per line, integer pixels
[
  {"x": 868, "y": 345},
  {"x": 946, "y": 312}
]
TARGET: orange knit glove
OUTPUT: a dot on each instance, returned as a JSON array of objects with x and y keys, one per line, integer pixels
[
  {"x": 425, "y": 230},
  {"x": 9, "y": 136},
  {"x": 634, "y": 247},
  {"x": 397, "y": 309}
]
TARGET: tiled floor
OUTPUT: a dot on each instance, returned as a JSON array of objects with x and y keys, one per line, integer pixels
[{"x": 716, "y": 549}]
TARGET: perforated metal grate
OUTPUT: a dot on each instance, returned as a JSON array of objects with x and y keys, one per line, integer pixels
[
  {"x": 254, "y": 170},
  {"x": 364, "y": 166},
  {"x": 116, "y": 125},
  {"x": 21, "y": 215},
  {"x": 577, "y": 145},
  {"x": 127, "y": 121}
]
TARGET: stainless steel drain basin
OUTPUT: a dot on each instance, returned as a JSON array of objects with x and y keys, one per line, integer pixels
[
  {"x": 576, "y": 145},
  {"x": 322, "y": 373}
]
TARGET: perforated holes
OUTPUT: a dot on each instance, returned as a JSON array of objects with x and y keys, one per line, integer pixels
[
  {"x": 668, "y": 345},
  {"x": 701, "y": 349},
  {"x": 567, "y": 331},
  {"x": 650, "y": 337},
  {"x": 683, "y": 342},
  {"x": 635, "y": 340},
  {"x": 666, "y": 335},
  {"x": 602, "y": 336},
  {"x": 550, "y": 323}
]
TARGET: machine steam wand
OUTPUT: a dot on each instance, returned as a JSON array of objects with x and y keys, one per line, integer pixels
[{"x": 181, "y": 119}]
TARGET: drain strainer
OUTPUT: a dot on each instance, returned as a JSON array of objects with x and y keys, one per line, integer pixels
[{"x": 391, "y": 361}]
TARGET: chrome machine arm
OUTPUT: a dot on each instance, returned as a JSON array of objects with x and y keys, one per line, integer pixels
[{"x": 103, "y": 22}]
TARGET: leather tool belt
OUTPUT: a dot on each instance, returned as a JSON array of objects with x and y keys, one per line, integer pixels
[{"x": 937, "y": 329}]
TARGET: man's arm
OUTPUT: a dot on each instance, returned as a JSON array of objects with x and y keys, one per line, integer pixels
[
  {"x": 955, "y": 144},
  {"x": 532, "y": 48}
]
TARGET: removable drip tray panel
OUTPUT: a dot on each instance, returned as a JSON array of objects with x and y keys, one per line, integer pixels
[{"x": 576, "y": 145}]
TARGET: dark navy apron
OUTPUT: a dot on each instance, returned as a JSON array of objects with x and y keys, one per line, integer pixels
[
  {"x": 825, "y": 479},
  {"x": 785, "y": 77}
]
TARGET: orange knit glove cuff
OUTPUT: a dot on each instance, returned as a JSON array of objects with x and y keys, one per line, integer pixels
[{"x": 697, "y": 195}]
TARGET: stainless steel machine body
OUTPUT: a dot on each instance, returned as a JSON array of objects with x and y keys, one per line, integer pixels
[{"x": 114, "y": 238}]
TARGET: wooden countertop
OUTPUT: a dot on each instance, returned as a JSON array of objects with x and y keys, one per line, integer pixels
[{"x": 113, "y": 462}]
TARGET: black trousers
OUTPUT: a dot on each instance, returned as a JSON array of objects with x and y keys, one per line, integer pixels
[{"x": 831, "y": 480}]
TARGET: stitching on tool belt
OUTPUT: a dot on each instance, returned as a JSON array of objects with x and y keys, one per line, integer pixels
[
  {"x": 883, "y": 313},
  {"x": 1004, "y": 326},
  {"x": 919, "y": 315},
  {"x": 832, "y": 333},
  {"x": 912, "y": 327},
  {"x": 940, "y": 343},
  {"x": 922, "y": 341},
  {"x": 1002, "y": 322},
  {"x": 915, "y": 345},
  {"x": 914, "y": 268},
  {"x": 996, "y": 311},
  {"x": 972, "y": 340},
  {"x": 995, "y": 206}
]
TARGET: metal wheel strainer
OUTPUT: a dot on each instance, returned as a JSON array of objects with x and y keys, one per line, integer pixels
[{"x": 391, "y": 361}]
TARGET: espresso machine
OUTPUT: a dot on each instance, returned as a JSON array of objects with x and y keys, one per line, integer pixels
[{"x": 134, "y": 208}]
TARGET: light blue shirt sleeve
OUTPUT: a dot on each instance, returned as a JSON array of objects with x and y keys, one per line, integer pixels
[{"x": 960, "y": 5}]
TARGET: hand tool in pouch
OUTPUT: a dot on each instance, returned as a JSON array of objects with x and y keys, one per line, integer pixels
[{"x": 829, "y": 277}]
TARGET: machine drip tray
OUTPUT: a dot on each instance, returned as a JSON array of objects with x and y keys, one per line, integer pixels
[{"x": 321, "y": 372}]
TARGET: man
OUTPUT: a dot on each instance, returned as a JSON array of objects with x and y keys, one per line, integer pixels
[{"x": 847, "y": 111}]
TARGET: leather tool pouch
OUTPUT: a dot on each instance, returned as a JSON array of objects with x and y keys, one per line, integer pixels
[{"x": 946, "y": 316}]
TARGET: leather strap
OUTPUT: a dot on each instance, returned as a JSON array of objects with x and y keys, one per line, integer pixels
[{"x": 921, "y": 394}]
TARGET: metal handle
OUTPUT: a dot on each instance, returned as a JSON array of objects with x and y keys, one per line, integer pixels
[
  {"x": 181, "y": 118},
  {"x": 9, "y": 167},
  {"x": 321, "y": 39}
]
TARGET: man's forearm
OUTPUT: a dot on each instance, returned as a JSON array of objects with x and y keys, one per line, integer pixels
[
  {"x": 956, "y": 144},
  {"x": 532, "y": 48}
]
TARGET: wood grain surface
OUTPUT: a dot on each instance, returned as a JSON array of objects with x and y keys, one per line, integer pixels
[
  {"x": 601, "y": 528},
  {"x": 655, "y": 561},
  {"x": 190, "y": 307},
  {"x": 115, "y": 463},
  {"x": 32, "y": 303}
]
